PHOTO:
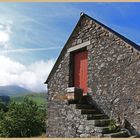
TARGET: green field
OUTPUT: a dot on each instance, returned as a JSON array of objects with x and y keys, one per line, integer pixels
[{"x": 39, "y": 98}]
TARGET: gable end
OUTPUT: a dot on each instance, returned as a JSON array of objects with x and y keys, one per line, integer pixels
[{"x": 129, "y": 42}]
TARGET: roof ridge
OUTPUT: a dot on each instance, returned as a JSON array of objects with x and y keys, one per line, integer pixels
[{"x": 128, "y": 41}]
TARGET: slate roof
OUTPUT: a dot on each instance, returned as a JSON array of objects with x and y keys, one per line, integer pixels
[{"x": 128, "y": 41}]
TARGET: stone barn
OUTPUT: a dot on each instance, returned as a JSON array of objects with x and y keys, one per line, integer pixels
[{"x": 94, "y": 86}]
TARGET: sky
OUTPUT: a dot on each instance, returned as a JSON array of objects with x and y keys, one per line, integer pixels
[{"x": 33, "y": 34}]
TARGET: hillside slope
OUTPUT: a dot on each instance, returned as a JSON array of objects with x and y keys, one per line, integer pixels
[
  {"x": 39, "y": 98},
  {"x": 12, "y": 90}
]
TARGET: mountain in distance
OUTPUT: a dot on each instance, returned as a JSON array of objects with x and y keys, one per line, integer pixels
[{"x": 12, "y": 90}]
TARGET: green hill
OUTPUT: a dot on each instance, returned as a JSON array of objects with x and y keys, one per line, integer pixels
[{"x": 39, "y": 98}]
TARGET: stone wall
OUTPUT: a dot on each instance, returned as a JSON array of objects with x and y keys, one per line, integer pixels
[
  {"x": 114, "y": 77},
  {"x": 66, "y": 121},
  {"x": 60, "y": 80},
  {"x": 113, "y": 80}
]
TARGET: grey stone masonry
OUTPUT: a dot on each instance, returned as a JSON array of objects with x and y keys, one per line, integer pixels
[
  {"x": 113, "y": 81},
  {"x": 67, "y": 121}
]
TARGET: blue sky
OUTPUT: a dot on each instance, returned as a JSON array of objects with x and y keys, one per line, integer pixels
[{"x": 33, "y": 34}]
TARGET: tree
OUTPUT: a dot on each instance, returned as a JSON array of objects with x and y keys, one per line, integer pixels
[
  {"x": 3, "y": 106},
  {"x": 5, "y": 99},
  {"x": 3, "y": 109},
  {"x": 23, "y": 119}
]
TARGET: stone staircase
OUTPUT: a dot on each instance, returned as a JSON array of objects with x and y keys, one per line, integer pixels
[{"x": 103, "y": 125}]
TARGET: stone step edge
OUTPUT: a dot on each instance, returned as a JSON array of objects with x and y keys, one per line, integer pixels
[
  {"x": 97, "y": 116},
  {"x": 84, "y": 106},
  {"x": 99, "y": 123},
  {"x": 116, "y": 133},
  {"x": 104, "y": 130},
  {"x": 100, "y": 120},
  {"x": 93, "y": 111}
]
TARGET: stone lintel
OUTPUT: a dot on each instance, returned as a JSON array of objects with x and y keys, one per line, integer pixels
[{"x": 79, "y": 46}]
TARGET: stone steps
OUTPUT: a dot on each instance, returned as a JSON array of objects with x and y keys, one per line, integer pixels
[
  {"x": 100, "y": 123},
  {"x": 104, "y": 130},
  {"x": 84, "y": 106},
  {"x": 84, "y": 100},
  {"x": 119, "y": 134},
  {"x": 96, "y": 116},
  {"x": 89, "y": 111}
]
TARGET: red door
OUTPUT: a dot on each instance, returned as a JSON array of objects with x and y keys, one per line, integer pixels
[{"x": 80, "y": 70}]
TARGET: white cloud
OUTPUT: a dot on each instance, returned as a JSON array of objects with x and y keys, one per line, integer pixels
[
  {"x": 5, "y": 34},
  {"x": 28, "y": 50},
  {"x": 4, "y": 37},
  {"x": 31, "y": 77}
]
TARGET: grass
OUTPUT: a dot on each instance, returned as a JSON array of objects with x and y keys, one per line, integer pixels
[{"x": 39, "y": 98}]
